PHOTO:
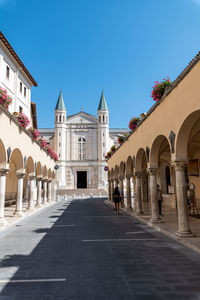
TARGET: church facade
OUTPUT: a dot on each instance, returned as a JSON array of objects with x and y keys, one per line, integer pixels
[{"x": 81, "y": 142}]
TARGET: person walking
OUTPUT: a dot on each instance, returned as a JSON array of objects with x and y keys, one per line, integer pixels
[
  {"x": 160, "y": 199},
  {"x": 116, "y": 199}
]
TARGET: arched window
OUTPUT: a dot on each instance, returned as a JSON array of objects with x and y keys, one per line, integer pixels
[
  {"x": 81, "y": 148},
  {"x": 106, "y": 119},
  {"x": 56, "y": 118},
  {"x": 60, "y": 119},
  {"x": 63, "y": 118},
  {"x": 103, "y": 119},
  {"x": 99, "y": 119}
]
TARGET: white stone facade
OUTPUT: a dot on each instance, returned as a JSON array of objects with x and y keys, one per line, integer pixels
[
  {"x": 14, "y": 78},
  {"x": 81, "y": 142}
]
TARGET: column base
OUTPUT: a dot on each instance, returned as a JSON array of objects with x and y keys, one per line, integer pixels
[
  {"x": 30, "y": 209},
  {"x": 18, "y": 214},
  {"x": 129, "y": 209},
  {"x": 38, "y": 205},
  {"x": 153, "y": 221},
  {"x": 184, "y": 234},
  {"x": 2, "y": 222},
  {"x": 139, "y": 213}
]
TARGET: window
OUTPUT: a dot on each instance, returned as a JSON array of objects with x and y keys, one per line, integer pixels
[
  {"x": 81, "y": 148},
  {"x": 103, "y": 144},
  {"x": 60, "y": 119},
  {"x": 56, "y": 118},
  {"x": 63, "y": 118},
  {"x": 25, "y": 92},
  {"x": 20, "y": 109},
  {"x": 7, "y": 72},
  {"x": 59, "y": 144},
  {"x": 99, "y": 118},
  {"x": 103, "y": 119},
  {"x": 59, "y": 154},
  {"x": 59, "y": 134},
  {"x": 106, "y": 119},
  {"x": 20, "y": 87},
  {"x": 103, "y": 133}
]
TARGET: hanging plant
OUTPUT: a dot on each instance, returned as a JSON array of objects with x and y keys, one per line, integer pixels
[
  {"x": 34, "y": 132},
  {"x": 122, "y": 138},
  {"x": 52, "y": 153},
  {"x": 42, "y": 142},
  {"x": 159, "y": 88},
  {"x": 133, "y": 123},
  {"x": 5, "y": 100},
  {"x": 22, "y": 119},
  {"x": 113, "y": 148}
]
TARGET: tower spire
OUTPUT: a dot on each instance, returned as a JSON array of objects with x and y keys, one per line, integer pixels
[
  {"x": 60, "y": 103},
  {"x": 102, "y": 104}
]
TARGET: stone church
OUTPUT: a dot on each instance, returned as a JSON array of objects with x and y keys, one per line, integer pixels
[{"x": 81, "y": 142}]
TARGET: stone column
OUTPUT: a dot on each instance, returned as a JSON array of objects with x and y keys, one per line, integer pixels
[
  {"x": 128, "y": 193},
  {"x": 44, "y": 190},
  {"x": 31, "y": 193},
  {"x": 3, "y": 173},
  {"x": 109, "y": 190},
  {"x": 49, "y": 191},
  {"x": 55, "y": 190},
  {"x": 154, "y": 196},
  {"x": 20, "y": 181},
  {"x": 39, "y": 191},
  {"x": 121, "y": 186},
  {"x": 183, "y": 219},
  {"x": 112, "y": 189},
  {"x": 139, "y": 210}
]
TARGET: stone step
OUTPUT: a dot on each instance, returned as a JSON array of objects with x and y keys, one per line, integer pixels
[{"x": 82, "y": 191}]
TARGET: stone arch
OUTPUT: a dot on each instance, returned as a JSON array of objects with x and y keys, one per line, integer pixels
[
  {"x": 15, "y": 164},
  {"x": 30, "y": 168},
  {"x": 159, "y": 146},
  {"x": 181, "y": 145},
  {"x": 140, "y": 159},
  {"x": 122, "y": 169},
  {"x": 38, "y": 169},
  {"x": 3, "y": 158},
  {"x": 112, "y": 173},
  {"x": 53, "y": 174},
  {"x": 45, "y": 171},
  {"x": 116, "y": 171},
  {"x": 49, "y": 173},
  {"x": 129, "y": 166}
]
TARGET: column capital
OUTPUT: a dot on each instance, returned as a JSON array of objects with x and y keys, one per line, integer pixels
[
  {"x": 4, "y": 171},
  {"x": 45, "y": 179},
  {"x": 138, "y": 174},
  {"x": 39, "y": 177},
  {"x": 49, "y": 179},
  {"x": 179, "y": 165},
  {"x": 153, "y": 171},
  {"x": 20, "y": 174}
]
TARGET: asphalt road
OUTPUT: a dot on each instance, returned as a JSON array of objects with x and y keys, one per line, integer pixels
[{"x": 82, "y": 250}]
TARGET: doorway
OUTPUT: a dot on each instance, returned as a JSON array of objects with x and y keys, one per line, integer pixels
[{"x": 81, "y": 179}]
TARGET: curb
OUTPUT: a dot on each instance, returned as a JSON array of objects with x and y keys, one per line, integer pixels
[{"x": 167, "y": 233}]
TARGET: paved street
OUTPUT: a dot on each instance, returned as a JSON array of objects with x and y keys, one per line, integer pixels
[{"x": 82, "y": 250}]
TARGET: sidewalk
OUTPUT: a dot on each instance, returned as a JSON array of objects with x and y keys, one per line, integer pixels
[
  {"x": 11, "y": 219},
  {"x": 170, "y": 225}
]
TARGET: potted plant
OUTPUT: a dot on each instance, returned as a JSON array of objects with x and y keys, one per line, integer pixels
[
  {"x": 5, "y": 100},
  {"x": 133, "y": 123},
  {"x": 113, "y": 148},
  {"x": 159, "y": 88}
]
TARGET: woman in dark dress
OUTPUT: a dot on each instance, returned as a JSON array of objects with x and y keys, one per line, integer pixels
[{"x": 116, "y": 199}]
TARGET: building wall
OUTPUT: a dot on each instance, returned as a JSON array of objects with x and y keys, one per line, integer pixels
[{"x": 12, "y": 84}]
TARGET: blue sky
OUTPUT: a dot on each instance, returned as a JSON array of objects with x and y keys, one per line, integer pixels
[{"x": 82, "y": 46}]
